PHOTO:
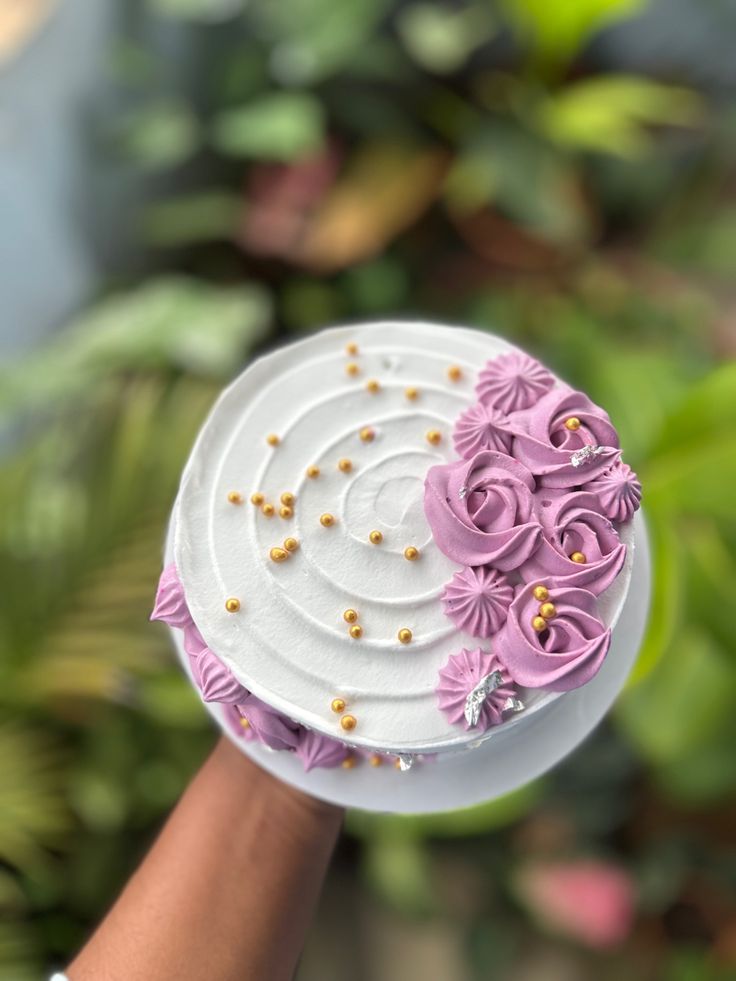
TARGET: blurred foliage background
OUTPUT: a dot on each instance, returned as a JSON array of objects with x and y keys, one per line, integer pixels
[{"x": 561, "y": 173}]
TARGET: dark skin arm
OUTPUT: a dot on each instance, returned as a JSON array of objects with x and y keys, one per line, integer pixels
[{"x": 229, "y": 888}]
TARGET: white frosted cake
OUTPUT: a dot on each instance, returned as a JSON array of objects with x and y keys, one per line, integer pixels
[{"x": 392, "y": 540}]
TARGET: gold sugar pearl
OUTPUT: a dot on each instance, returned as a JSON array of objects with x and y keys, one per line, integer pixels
[
  {"x": 350, "y": 616},
  {"x": 287, "y": 498},
  {"x": 375, "y": 760},
  {"x": 352, "y": 368},
  {"x": 434, "y": 436},
  {"x": 351, "y": 348},
  {"x": 367, "y": 434},
  {"x": 573, "y": 424},
  {"x": 291, "y": 544},
  {"x": 235, "y": 497},
  {"x": 348, "y": 763},
  {"x": 578, "y": 557},
  {"x": 539, "y": 624},
  {"x": 272, "y": 439},
  {"x": 397, "y": 763},
  {"x": 244, "y": 723},
  {"x": 372, "y": 386},
  {"x": 348, "y": 722},
  {"x": 326, "y": 519},
  {"x": 269, "y": 510},
  {"x": 257, "y": 498},
  {"x": 547, "y": 610},
  {"x": 232, "y": 605},
  {"x": 411, "y": 553},
  {"x": 411, "y": 393},
  {"x": 454, "y": 372},
  {"x": 345, "y": 465},
  {"x": 312, "y": 472},
  {"x": 338, "y": 705},
  {"x": 404, "y": 635},
  {"x": 286, "y": 512},
  {"x": 541, "y": 593},
  {"x": 376, "y": 537},
  {"x": 278, "y": 554},
  {"x": 356, "y": 631}
]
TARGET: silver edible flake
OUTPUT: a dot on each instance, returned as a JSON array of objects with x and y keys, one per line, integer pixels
[
  {"x": 585, "y": 455},
  {"x": 406, "y": 762},
  {"x": 513, "y": 705},
  {"x": 462, "y": 492},
  {"x": 476, "y": 698}
]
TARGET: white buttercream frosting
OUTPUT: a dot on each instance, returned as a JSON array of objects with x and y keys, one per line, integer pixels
[{"x": 289, "y": 643}]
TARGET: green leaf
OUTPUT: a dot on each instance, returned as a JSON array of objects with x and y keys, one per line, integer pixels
[
  {"x": 398, "y": 870},
  {"x": 280, "y": 126},
  {"x": 701, "y": 244},
  {"x": 611, "y": 113},
  {"x": 441, "y": 38},
  {"x": 191, "y": 219},
  {"x": 161, "y": 135}
]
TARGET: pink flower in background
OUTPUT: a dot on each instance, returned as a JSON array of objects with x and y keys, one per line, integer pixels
[{"x": 587, "y": 900}]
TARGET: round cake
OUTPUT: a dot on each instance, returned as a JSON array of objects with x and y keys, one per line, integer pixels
[{"x": 394, "y": 540}]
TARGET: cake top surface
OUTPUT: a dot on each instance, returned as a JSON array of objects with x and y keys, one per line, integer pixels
[{"x": 338, "y": 433}]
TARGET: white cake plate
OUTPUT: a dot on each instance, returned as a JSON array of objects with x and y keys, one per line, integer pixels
[{"x": 507, "y": 761}]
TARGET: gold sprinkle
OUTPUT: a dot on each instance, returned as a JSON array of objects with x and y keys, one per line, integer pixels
[
  {"x": 404, "y": 635},
  {"x": 272, "y": 439},
  {"x": 454, "y": 372},
  {"x": 350, "y": 616},
  {"x": 352, "y": 368},
  {"x": 573, "y": 424},
  {"x": 326, "y": 519},
  {"x": 434, "y": 436},
  {"x": 269, "y": 510},
  {"x": 351, "y": 348},
  {"x": 578, "y": 557},
  {"x": 278, "y": 554},
  {"x": 345, "y": 465},
  {"x": 288, "y": 499},
  {"x": 286, "y": 512},
  {"x": 337, "y": 705},
  {"x": 547, "y": 610},
  {"x": 291, "y": 544},
  {"x": 376, "y": 537},
  {"x": 312, "y": 472},
  {"x": 244, "y": 722},
  {"x": 375, "y": 760},
  {"x": 372, "y": 386},
  {"x": 411, "y": 393},
  {"x": 411, "y": 553},
  {"x": 348, "y": 763},
  {"x": 257, "y": 498},
  {"x": 235, "y": 497},
  {"x": 232, "y": 605},
  {"x": 348, "y": 722},
  {"x": 541, "y": 593},
  {"x": 367, "y": 434},
  {"x": 356, "y": 631},
  {"x": 539, "y": 624},
  {"x": 397, "y": 763}
]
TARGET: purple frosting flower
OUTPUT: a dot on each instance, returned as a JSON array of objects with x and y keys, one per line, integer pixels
[
  {"x": 269, "y": 726},
  {"x": 460, "y": 676},
  {"x": 513, "y": 381},
  {"x": 481, "y": 511},
  {"x": 477, "y": 599},
  {"x": 565, "y": 439},
  {"x": 574, "y": 527},
  {"x": 170, "y": 606},
  {"x": 314, "y": 749},
  {"x": 563, "y": 656},
  {"x": 618, "y": 492},
  {"x": 481, "y": 427}
]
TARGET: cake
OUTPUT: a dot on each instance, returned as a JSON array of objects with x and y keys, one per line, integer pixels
[{"x": 393, "y": 540}]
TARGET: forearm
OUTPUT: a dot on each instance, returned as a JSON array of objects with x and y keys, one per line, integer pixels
[{"x": 228, "y": 889}]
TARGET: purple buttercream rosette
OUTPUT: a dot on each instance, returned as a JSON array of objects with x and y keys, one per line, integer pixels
[
  {"x": 513, "y": 381},
  {"x": 618, "y": 492},
  {"x": 475, "y": 689},
  {"x": 477, "y": 600}
]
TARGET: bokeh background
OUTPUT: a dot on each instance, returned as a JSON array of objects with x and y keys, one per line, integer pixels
[{"x": 185, "y": 183}]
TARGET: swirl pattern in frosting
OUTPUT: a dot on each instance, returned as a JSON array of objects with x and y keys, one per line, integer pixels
[
  {"x": 618, "y": 492},
  {"x": 580, "y": 546},
  {"x": 477, "y": 599},
  {"x": 460, "y": 675},
  {"x": 563, "y": 656},
  {"x": 513, "y": 381},
  {"x": 481, "y": 427},
  {"x": 555, "y": 452},
  {"x": 481, "y": 510}
]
